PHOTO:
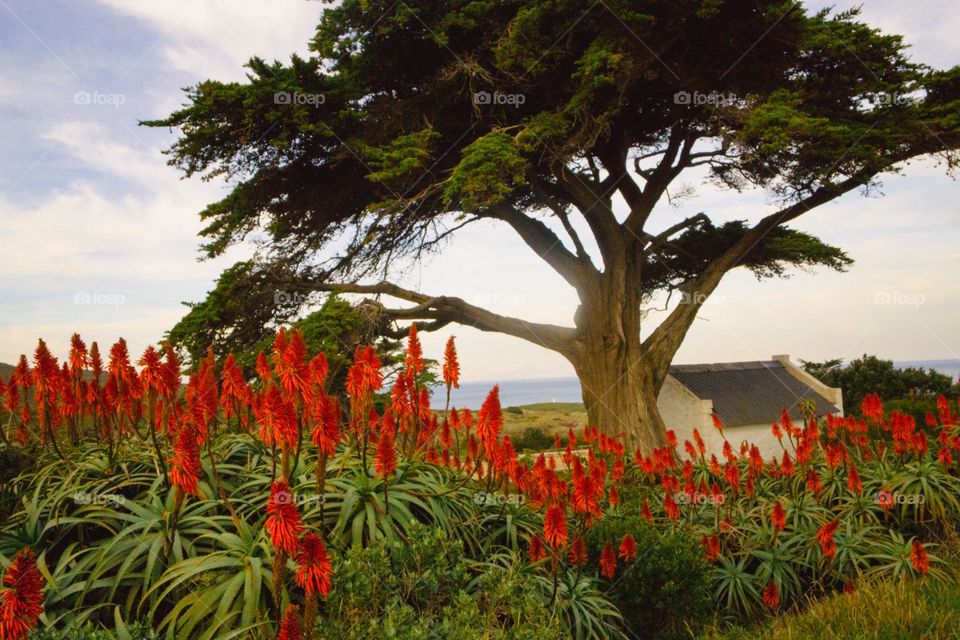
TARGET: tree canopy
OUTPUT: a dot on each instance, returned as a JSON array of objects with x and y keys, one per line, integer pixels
[{"x": 568, "y": 123}]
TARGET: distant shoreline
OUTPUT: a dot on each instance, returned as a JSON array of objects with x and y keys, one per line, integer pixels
[{"x": 519, "y": 392}]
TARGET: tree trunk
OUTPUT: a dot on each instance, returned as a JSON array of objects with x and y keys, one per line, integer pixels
[
  {"x": 620, "y": 380},
  {"x": 620, "y": 395}
]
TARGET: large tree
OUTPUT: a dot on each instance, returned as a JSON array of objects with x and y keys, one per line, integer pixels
[{"x": 567, "y": 122}]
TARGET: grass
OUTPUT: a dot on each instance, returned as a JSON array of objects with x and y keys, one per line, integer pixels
[
  {"x": 918, "y": 610},
  {"x": 549, "y": 418}
]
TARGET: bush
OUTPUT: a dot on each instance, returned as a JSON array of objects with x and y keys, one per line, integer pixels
[
  {"x": 663, "y": 593},
  {"x": 533, "y": 439},
  {"x": 429, "y": 589},
  {"x": 881, "y": 611}
]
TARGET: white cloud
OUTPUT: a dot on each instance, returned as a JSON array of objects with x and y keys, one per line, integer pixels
[{"x": 214, "y": 38}]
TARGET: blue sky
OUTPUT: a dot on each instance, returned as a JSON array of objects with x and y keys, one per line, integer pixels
[{"x": 99, "y": 235}]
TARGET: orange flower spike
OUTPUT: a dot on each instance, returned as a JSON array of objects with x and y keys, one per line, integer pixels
[
  {"x": 578, "y": 552},
  {"x": 608, "y": 561},
  {"x": 263, "y": 369},
  {"x": 555, "y": 526},
  {"x": 825, "y": 538},
  {"x": 536, "y": 549},
  {"x": 919, "y": 558},
  {"x": 185, "y": 465},
  {"x": 778, "y": 517},
  {"x": 413, "y": 356},
  {"x": 290, "y": 626},
  {"x": 315, "y": 566},
  {"x": 283, "y": 519},
  {"x": 386, "y": 463},
  {"x": 771, "y": 595},
  {"x": 645, "y": 512},
  {"x": 853, "y": 480},
  {"x": 21, "y": 602},
  {"x": 628, "y": 548},
  {"x": 451, "y": 365},
  {"x": 717, "y": 422},
  {"x": 490, "y": 419}
]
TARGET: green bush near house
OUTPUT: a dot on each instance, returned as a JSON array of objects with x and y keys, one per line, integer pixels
[{"x": 664, "y": 593}]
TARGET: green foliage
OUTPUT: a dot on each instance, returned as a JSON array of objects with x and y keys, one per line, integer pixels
[
  {"x": 424, "y": 559},
  {"x": 665, "y": 591},
  {"x": 240, "y": 315},
  {"x": 886, "y": 610},
  {"x": 429, "y": 588},
  {"x": 399, "y": 153},
  {"x": 491, "y": 168},
  {"x": 533, "y": 439},
  {"x": 870, "y": 374}
]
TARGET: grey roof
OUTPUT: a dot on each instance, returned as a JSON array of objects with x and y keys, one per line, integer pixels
[{"x": 750, "y": 392}]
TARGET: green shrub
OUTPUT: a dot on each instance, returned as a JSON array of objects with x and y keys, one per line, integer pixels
[
  {"x": 663, "y": 593},
  {"x": 533, "y": 439},
  {"x": 428, "y": 588}
]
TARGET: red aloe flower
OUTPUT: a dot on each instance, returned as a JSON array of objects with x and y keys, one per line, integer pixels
[
  {"x": 451, "y": 365},
  {"x": 853, "y": 480},
  {"x": 536, "y": 549},
  {"x": 413, "y": 357},
  {"x": 490, "y": 419},
  {"x": 608, "y": 561},
  {"x": 21, "y": 602},
  {"x": 325, "y": 412},
  {"x": 290, "y": 627},
  {"x": 825, "y": 538},
  {"x": 786, "y": 467},
  {"x": 712, "y": 544},
  {"x": 283, "y": 519},
  {"x": 578, "y": 552},
  {"x": 315, "y": 570},
  {"x": 555, "y": 526},
  {"x": 717, "y": 422},
  {"x": 778, "y": 517},
  {"x": 814, "y": 484},
  {"x": 364, "y": 375},
  {"x": 771, "y": 595},
  {"x": 919, "y": 558},
  {"x": 386, "y": 462},
  {"x": 185, "y": 465},
  {"x": 291, "y": 365},
  {"x": 645, "y": 511},
  {"x": 628, "y": 548}
]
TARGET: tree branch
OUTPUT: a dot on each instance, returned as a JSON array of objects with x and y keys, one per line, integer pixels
[
  {"x": 545, "y": 244},
  {"x": 445, "y": 309}
]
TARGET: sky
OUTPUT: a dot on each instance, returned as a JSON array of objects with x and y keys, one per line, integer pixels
[{"x": 99, "y": 235}]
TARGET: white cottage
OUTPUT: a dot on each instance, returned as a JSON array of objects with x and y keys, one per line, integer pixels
[{"x": 747, "y": 396}]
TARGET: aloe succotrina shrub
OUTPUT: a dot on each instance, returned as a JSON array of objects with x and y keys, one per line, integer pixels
[
  {"x": 210, "y": 510},
  {"x": 849, "y": 500},
  {"x": 219, "y": 508}
]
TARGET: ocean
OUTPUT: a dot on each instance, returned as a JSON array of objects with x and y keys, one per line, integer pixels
[{"x": 515, "y": 393}]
